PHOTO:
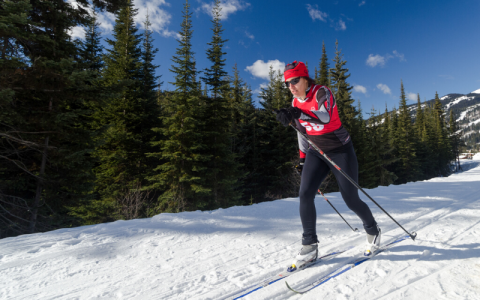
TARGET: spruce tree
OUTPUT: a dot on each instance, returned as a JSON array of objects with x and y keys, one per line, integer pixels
[
  {"x": 429, "y": 141},
  {"x": 455, "y": 139},
  {"x": 44, "y": 90},
  {"x": 243, "y": 135},
  {"x": 405, "y": 142},
  {"x": 367, "y": 177},
  {"x": 342, "y": 92},
  {"x": 182, "y": 149},
  {"x": 91, "y": 49},
  {"x": 150, "y": 81},
  {"x": 443, "y": 142},
  {"x": 222, "y": 174},
  {"x": 323, "y": 76},
  {"x": 419, "y": 145},
  {"x": 380, "y": 149},
  {"x": 125, "y": 121}
]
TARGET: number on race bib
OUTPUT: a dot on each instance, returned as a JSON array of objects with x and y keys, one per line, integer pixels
[{"x": 309, "y": 126}]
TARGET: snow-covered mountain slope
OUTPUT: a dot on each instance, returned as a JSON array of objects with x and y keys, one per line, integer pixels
[
  {"x": 466, "y": 108},
  {"x": 209, "y": 255}
]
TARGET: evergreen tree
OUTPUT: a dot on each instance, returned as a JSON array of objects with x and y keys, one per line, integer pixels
[
  {"x": 419, "y": 119},
  {"x": 455, "y": 139},
  {"x": 91, "y": 49},
  {"x": 395, "y": 167},
  {"x": 429, "y": 141},
  {"x": 222, "y": 171},
  {"x": 380, "y": 149},
  {"x": 182, "y": 150},
  {"x": 405, "y": 139},
  {"x": 150, "y": 82},
  {"x": 443, "y": 142},
  {"x": 342, "y": 92},
  {"x": 243, "y": 135},
  {"x": 366, "y": 159},
  {"x": 420, "y": 146},
  {"x": 45, "y": 167},
  {"x": 323, "y": 76},
  {"x": 125, "y": 120}
]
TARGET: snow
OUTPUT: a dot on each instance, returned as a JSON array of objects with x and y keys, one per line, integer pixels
[
  {"x": 476, "y": 92},
  {"x": 445, "y": 97},
  {"x": 458, "y": 100},
  {"x": 211, "y": 254}
]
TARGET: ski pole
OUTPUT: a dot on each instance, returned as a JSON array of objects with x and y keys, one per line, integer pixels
[
  {"x": 355, "y": 230},
  {"x": 413, "y": 235}
]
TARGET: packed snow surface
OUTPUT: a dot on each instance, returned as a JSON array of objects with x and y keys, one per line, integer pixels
[
  {"x": 211, "y": 254},
  {"x": 476, "y": 92}
]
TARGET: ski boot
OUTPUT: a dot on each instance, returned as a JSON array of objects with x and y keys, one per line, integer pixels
[
  {"x": 307, "y": 255},
  {"x": 373, "y": 243}
]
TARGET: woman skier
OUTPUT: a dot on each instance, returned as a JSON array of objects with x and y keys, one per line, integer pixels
[{"x": 314, "y": 112}]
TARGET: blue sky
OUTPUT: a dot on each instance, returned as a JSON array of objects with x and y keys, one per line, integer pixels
[{"x": 433, "y": 46}]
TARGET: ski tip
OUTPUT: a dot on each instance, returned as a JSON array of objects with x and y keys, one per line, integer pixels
[{"x": 290, "y": 288}]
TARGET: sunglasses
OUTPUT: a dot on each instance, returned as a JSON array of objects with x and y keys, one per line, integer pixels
[{"x": 293, "y": 81}]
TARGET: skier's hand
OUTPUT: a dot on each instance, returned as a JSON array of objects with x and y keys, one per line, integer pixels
[
  {"x": 287, "y": 115},
  {"x": 299, "y": 166}
]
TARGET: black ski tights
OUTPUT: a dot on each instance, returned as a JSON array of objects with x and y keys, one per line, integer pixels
[{"x": 314, "y": 171}]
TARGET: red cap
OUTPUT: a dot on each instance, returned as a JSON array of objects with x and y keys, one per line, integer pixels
[{"x": 295, "y": 69}]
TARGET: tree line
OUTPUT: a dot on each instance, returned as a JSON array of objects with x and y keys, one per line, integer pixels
[{"x": 89, "y": 135}]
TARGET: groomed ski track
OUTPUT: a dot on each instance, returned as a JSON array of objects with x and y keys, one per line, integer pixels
[{"x": 209, "y": 255}]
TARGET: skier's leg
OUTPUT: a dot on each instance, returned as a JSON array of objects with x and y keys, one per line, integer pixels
[
  {"x": 314, "y": 172},
  {"x": 347, "y": 161}
]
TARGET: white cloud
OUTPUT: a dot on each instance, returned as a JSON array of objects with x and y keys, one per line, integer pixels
[
  {"x": 411, "y": 96},
  {"x": 107, "y": 21},
  {"x": 316, "y": 14},
  {"x": 262, "y": 69},
  {"x": 362, "y": 3},
  {"x": 374, "y": 60},
  {"x": 249, "y": 35},
  {"x": 378, "y": 60},
  {"x": 77, "y": 32},
  {"x": 340, "y": 25},
  {"x": 159, "y": 17},
  {"x": 227, "y": 7},
  {"x": 384, "y": 88},
  {"x": 360, "y": 89},
  {"x": 399, "y": 55}
]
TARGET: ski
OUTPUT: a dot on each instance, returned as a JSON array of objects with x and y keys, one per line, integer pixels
[
  {"x": 348, "y": 266},
  {"x": 271, "y": 280}
]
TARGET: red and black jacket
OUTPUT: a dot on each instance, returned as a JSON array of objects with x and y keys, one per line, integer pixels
[{"x": 320, "y": 120}]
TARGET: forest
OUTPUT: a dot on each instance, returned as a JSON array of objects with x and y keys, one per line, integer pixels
[{"x": 89, "y": 135}]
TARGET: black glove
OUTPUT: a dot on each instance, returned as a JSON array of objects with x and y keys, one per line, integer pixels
[
  {"x": 287, "y": 115},
  {"x": 299, "y": 166}
]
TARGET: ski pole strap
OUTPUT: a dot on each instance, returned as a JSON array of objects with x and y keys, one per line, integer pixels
[{"x": 413, "y": 235}]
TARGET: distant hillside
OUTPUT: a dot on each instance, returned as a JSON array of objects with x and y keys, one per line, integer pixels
[{"x": 466, "y": 108}]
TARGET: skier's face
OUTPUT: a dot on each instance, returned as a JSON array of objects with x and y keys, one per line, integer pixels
[{"x": 298, "y": 89}]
